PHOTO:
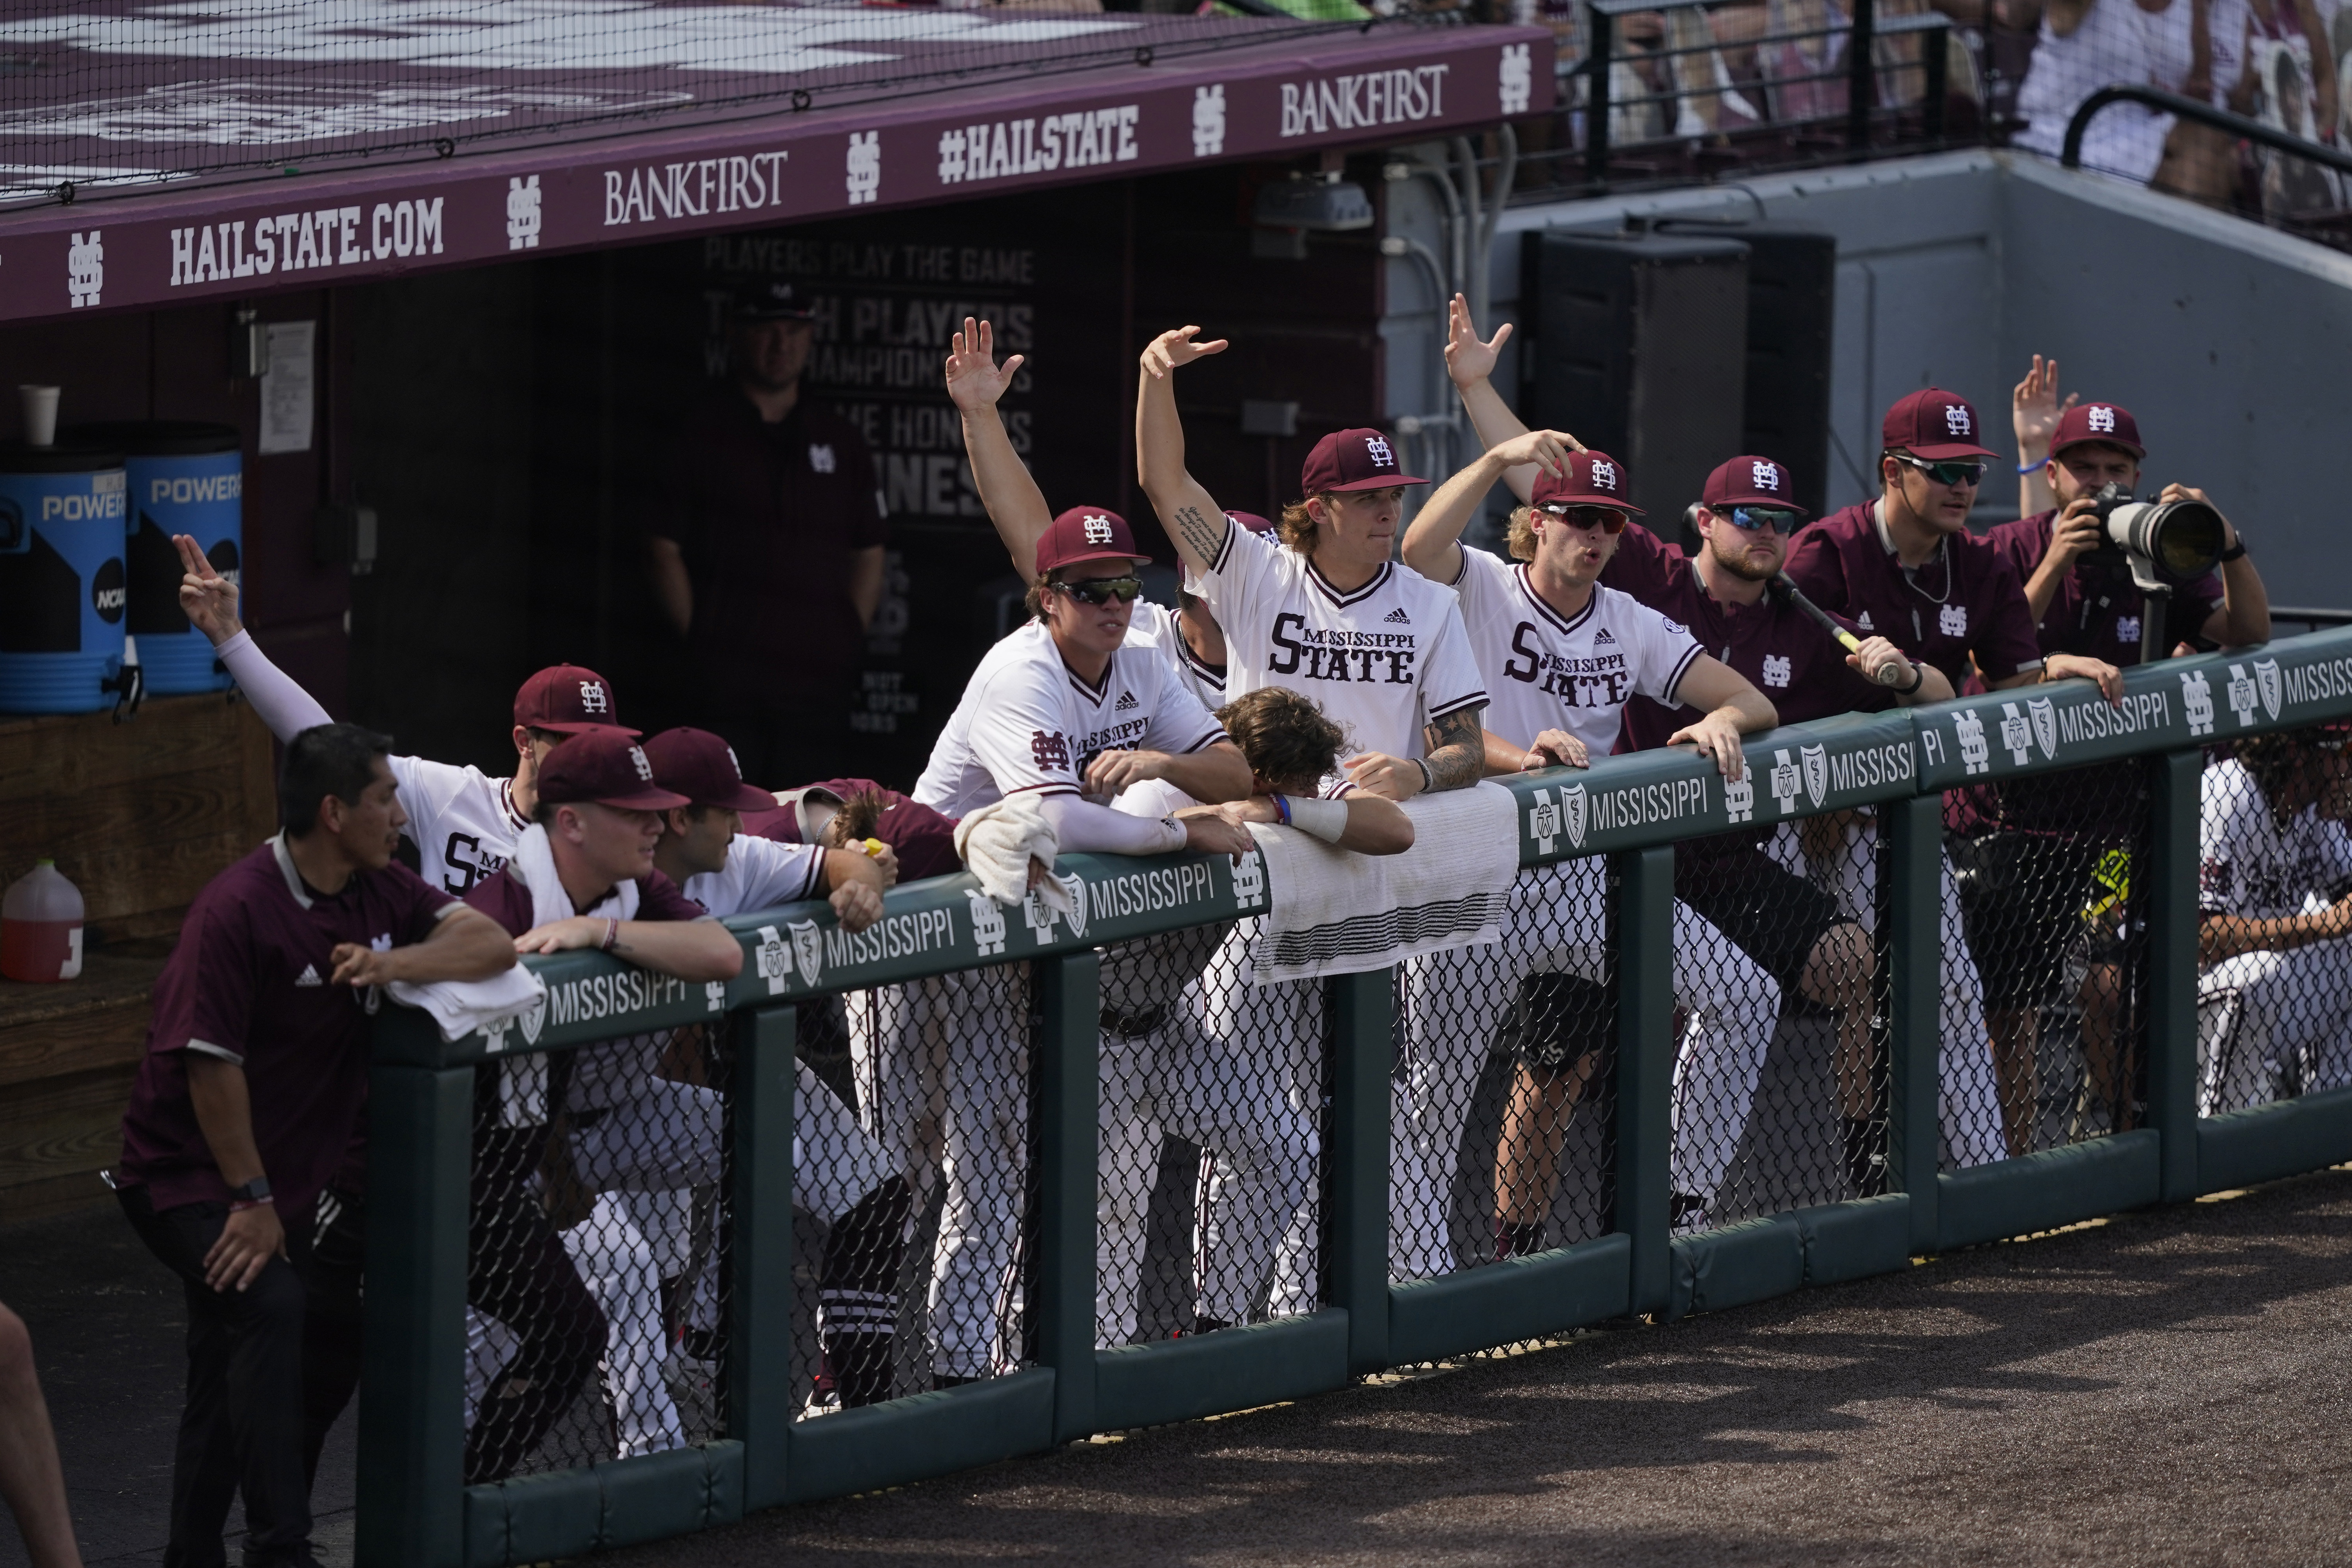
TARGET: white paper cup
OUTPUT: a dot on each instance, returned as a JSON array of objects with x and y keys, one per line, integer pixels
[{"x": 40, "y": 413}]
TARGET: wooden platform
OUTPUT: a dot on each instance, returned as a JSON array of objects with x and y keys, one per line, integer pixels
[{"x": 139, "y": 816}]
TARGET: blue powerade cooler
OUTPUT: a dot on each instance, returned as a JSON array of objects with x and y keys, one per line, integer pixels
[
  {"x": 185, "y": 477},
  {"x": 62, "y": 589}
]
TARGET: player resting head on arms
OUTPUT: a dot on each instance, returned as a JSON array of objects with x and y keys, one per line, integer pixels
[
  {"x": 703, "y": 849},
  {"x": 1292, "y": 748},
  {"x": 1327, "y": 612}
]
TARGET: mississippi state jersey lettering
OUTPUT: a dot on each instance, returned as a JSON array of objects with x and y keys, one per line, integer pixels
[
  {"x": 463, "y": 822},
  {"x": 1383, "y": 660},
  {"x": 1028, "y": 723},
  {"x": 1574, "y": 673}
]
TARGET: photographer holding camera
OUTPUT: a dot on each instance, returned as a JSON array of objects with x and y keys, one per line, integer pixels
[
  {"x": 2083, "y": 596},
  {"x": 2058, "y": 847}
]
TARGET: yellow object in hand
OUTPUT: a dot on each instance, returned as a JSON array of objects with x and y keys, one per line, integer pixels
[{"x": 874, "y": 848}]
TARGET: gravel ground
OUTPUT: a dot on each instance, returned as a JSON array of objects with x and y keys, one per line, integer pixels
[{"x": 2168, "y": 1386}]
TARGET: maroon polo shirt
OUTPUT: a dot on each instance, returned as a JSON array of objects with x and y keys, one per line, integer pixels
[
  {"x": 2097, "y": 610},
  {"x": 767, "y": 516},
  {"x": 247, "y": 983},
  {"x": 1800, "y": 669},
  {"x": 923, "y": 839},
  {"x": 506, "y": 899},
  {"x": 1965, "y": 600}
]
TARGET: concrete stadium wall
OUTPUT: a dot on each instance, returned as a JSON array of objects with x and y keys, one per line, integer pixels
[{"x": 2230, "y": 343}]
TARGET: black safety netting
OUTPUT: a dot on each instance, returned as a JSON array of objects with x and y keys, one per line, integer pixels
[
  {"x": 2275, "y": 897},
  {"x": 595, "y": 1281},
  {"x": 2044, "y": 874},
  {"x": 1212, "y": 1112}
]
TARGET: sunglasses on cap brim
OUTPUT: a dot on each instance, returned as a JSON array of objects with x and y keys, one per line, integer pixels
[
  {"x": 1608, "y": 519},
  {"x": 1750, "y": 518},
  {"x": 1951, "y": 471},
  {"x": 1101, "y": 590}
]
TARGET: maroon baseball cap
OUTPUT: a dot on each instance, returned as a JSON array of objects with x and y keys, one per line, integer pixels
[
  {"x": 702, "y": 767},
  {"x": 1934, "y": 425},
  {"x": 2101, "y": 422},
  {"x": 1592, "y": 478},
  {"x": 1751, "y": 482},
  {"x": 606, "y": 767},
  {"x": 568, "y": 700},
  {"x": 1086, "y": 533},
  {"x": 1252, "y": 521},
  {"x": 1352, "y": 460}
]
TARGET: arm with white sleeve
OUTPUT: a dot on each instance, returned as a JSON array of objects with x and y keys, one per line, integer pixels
[
  {"x": 209, "y": 600},
  {"x": 1196, "y": 524}
]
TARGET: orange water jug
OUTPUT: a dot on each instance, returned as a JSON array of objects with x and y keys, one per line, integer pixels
[{"x": 40, "y": 926}]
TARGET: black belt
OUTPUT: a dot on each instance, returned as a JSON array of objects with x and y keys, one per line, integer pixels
[{"x": 1132, "y": 1025}]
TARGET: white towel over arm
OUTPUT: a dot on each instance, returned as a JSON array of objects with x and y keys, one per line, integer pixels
[{"x": 1333, "y": 911}]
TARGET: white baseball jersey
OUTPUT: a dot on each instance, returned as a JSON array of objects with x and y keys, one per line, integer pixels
[
  {"x": 1157, "y": 626},
  {"x": 1027, "y": 721},
  {"x": 463, "y": 822},
  {"x": 1383, "y": 660},
  {"x": 760, "y": 874},
  {"x": 2252, "y": 868},
  {"x": 1574, "y": 673}
]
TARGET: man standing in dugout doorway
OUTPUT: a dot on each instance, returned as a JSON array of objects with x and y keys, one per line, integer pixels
[{"x": 767, "y": 551}]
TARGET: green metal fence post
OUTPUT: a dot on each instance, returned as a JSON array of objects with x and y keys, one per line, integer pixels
[
  {"x": 1068, "y": 1036},
  {"x": 1911, "y": 834},
  {"x": 760, "y": 1256},
  {"x": 412, "y": 1435},
  {"x": 2171, "y": 874},
  {"x": 1360, "y": 1011},
  {"x": 1641, "y": 899}
]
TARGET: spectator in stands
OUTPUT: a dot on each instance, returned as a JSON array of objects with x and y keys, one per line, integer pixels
[
  {"x": 31, "y": 1482},
  {"x": 2086, "y": 45},
  {"x": 2275, "y": 902},
  {"x": 247, "y": 1099},
  {"x": 581, "y": 876},
  {"x": 2032, "y": 878}
]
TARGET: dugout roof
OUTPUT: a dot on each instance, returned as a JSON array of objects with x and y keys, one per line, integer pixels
[{"x": 163, "y": 152}]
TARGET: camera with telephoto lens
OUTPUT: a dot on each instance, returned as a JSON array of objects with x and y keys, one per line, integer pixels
[{"x": 2166, "y": 544}]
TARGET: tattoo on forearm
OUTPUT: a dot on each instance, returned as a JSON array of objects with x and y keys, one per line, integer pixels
[
  {"x": 1457, "y": 749},
  {"x": 1199, "y": 535}
]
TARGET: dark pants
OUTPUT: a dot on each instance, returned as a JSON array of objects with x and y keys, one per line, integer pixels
[
  {"x": 518, "y": 1272},
  {"x": 269, "y": 1369}
]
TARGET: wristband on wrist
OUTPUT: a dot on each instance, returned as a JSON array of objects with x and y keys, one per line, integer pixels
[
  {"x": 1428, "y": 779},
  {"x": 612, "y": 936},
  {"x": 2236, "y": 551},
  {"x": 256, "y": 1191},
  {"x": 2025, "y": 469},
  {"x": 1175, "y": 830},
  {"x": 1282, "y": 808},
  {"x": 1326, "y": 819},
  {"x": 1918, "y": 678}
]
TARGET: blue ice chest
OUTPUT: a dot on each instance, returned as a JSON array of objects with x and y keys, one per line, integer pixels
[
  {"x": 185, "y": 477},
  {"x": 62, "y": 590}
]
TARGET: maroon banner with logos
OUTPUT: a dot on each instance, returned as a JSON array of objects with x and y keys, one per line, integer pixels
[{"x": 1387, "y": 84}]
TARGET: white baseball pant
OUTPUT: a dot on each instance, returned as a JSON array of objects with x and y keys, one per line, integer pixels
[{"x": 2271, "y": 1015}]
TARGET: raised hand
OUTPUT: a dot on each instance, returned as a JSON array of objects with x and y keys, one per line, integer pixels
[
  {"x": 1548, "y": 449},
  {"x": 1174, "y": 350},
  {"x": 1468, "y": 360},
  {"x": 206, "y": 598},
  {"x": 2034, "y": 410},
  {"x": 975, "y": 381}
]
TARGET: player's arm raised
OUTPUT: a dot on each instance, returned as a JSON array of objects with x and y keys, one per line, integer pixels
[
  {"x": 1470, "y": 362},
  {"x": 209, "y": 601},
  {"x": 1196, "y": 524},
  {"x": 1014, "y": 503},
  {"x": 1733, "y": 707},
  {"x": 1432, "y": 542}
]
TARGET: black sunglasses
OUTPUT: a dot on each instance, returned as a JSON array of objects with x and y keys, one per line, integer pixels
[
  {"x": 1954, "y": 471},
  {"x": 1751, "y": 518},
  {"x": 1608, "y": 519},
  {"x": 1100, "y": 590}
]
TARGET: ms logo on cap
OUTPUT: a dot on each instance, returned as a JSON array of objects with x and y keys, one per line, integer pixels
[
  {"x": 1378, "y": 447},
  {"x": 1097, "y": 530},
  {"x": 1765, "y": 476},
  {"x": 735, "y": 764},
  {"x": 1956, "y": 419},
  {"x": 644, "y": 768},
  {"x": 593, "y": 700},
  {"x": 1604, "y": 475},
  {"x": 2102, "y": 418}
]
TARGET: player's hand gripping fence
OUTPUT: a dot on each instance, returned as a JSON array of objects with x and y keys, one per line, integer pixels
[{"x": 984, "y": 1179}]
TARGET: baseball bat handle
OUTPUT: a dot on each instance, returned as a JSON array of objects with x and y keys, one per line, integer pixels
[{"x": 1886, "y": 675}]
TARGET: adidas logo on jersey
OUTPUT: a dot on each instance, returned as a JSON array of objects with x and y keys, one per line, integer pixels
[
  {"x": 1125, "y": 701},
  {"x": 309, "y": 976},
  {"x": 1397, "y": 617},
  {"x": 1602, "y": 639},
  {"x": 1862, "y": 622}
]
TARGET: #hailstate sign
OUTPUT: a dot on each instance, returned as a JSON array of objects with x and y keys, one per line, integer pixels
[{"x": 345, "y": 218}]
